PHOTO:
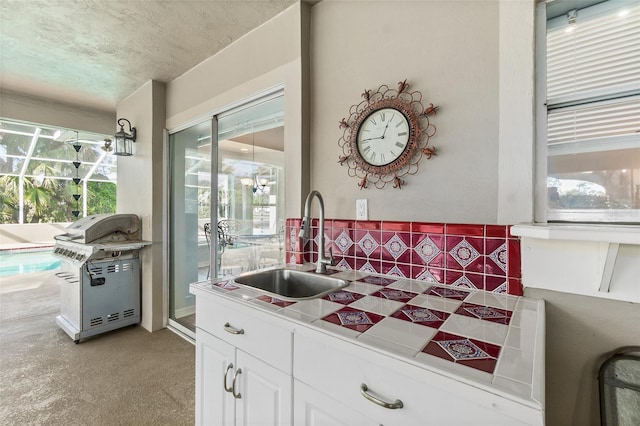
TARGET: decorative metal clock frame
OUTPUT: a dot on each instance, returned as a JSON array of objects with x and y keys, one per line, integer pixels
[{"x": 409, "y": 104}]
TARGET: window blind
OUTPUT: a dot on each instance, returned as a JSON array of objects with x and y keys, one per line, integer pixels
[
  {"x": 593, "y": 80},
  {"x": 593, "y": 114},
  {"x": 618, "y": 121},
  {"x": 595, "y": 54}
]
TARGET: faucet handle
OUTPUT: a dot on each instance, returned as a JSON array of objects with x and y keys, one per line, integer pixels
[{"x": 332, "y": 261}]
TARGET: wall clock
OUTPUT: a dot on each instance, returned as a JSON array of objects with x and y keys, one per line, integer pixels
[{"x": 386, "y": 136}]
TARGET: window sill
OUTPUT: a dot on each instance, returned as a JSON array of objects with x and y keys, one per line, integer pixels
[
  {"x": 589, "y": 259},
  {"x": 621, "y": 234}
]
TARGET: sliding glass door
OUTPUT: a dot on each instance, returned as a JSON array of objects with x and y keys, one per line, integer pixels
[
  {"x": 189, "y": 211},
  {"x": 241, "y": 227},
  {"x": 250, "y": 196}
]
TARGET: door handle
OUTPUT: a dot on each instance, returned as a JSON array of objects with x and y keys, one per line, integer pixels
[
  {"x": 224, "y": 379},
  {"x": 232, "y": 330},
  {"x": 364, "y": 390},
  {"x": 233, "y": 385}
]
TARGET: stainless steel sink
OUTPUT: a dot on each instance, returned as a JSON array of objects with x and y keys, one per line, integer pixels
[{"x": 289, "y": 284}]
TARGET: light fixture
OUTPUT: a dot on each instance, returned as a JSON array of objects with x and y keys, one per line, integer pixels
[
  {"x": 123, "y": 140},
  {"x": 571, "y": 20},
  {"x": 256, "y": 182},
  {"x": 107, "y": 145},
  {"x": 246, "y": 181}
]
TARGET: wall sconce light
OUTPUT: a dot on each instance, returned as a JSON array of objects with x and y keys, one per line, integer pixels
[{"x": 123, "y": 141}]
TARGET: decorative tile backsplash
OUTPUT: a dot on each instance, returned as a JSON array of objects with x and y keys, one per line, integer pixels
[{"x": 483, "y": 257}]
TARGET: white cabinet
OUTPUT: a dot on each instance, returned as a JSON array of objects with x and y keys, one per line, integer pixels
[
  {"x": 312, "y": 408},
  {"x": 250, "y": 362},
  {"x": 265, "y": 393},
  {"x": 214, "y": 405},
  {"x": 234, "y": 384},
  {"x": 234, "y": 388},
  {"x": 394, "y": 392}
]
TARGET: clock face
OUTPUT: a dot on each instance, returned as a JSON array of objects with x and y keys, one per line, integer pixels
[{"x": 383, "y": 136}]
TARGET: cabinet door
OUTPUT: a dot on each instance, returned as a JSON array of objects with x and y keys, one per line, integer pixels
[
  {"x": 312, "y": 408},
  {"x": 265, "y": 393},
  {"x": 214, "y": 406}
]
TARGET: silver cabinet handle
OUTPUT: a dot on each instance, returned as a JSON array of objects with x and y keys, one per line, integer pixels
[
  {"x": 233, "y": 385},
  {"x": 364, "y": 390},
  {"x": 232, "y": 330},
  {"x": 224, "y": 379}
]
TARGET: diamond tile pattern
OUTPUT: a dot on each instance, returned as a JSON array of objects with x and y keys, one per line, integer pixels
[
  {"x": 368, "y": 244},
  {"x": 464, "y": 253},
  {"x": 427, "y": 250},
  {"x": 465, "y": 351},
  {"x": 344, "y": 297},
  {"x": 402, "y": 305},
  {"x": 473, "y": 256},
  {"x": 487, "y": 313},
  {"x": 343, "y": 242},
  {"x": 353, "y": 319},
  {"x": 395, "y": 246},
  {"x": 423, "y": 316},
  {"x": 392, "y": 294}
]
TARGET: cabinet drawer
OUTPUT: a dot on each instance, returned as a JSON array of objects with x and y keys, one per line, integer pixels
[
  {"x": 246, "y": 328},
  {"x": 338, "y": 369}
]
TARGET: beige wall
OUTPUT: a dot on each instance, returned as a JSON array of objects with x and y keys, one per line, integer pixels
[
  {"x": 449, "y": 51},
  {"x": 49, "y": 112},
  {"x": 266, "y": 58},
  {"x": 140, "y": 191},
  {"x": 581, "y": 333},
  {"x": 216, "y": 84},
  {"x": 266, "y": 48},
  {"x": 472, "y": 58}
]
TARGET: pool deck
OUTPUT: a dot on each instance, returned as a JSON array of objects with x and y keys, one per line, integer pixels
[{"x": 26, "y": 281}]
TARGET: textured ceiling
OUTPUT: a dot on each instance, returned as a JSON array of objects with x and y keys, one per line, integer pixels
[{"x": 96, "y": 52}]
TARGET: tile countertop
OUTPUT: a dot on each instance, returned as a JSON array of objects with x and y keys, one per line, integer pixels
[{"x": 495, "y": 341}]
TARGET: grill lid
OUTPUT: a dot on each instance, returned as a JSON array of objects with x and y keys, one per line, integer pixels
[{"x": 103, "y": 227}]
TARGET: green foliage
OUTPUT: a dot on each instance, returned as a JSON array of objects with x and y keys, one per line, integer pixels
[
  {"x": 51, "y": 200},
  {"x": 576, "y": 199},
  {"x": 101, "y": 197}
]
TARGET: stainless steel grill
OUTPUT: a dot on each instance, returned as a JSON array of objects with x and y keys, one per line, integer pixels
[{"x": 100, "y": 274}]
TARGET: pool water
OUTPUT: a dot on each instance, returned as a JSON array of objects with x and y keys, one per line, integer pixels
[{"x": 22, "y": 262}]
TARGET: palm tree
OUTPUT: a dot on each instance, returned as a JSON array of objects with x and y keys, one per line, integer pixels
[
  {"x": 37, "y": 197},
  {"x": 9, "y": 196}
]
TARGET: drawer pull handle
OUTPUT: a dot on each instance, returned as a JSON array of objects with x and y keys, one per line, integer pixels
[
  {"x": 233, "y": 385},
  {"x": 229, "y": 329},
  {"x": 364, "y": 390},
  {"x": 224, "y": 383}
]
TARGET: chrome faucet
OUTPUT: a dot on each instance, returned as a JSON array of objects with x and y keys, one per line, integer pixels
[{"x": 305, "y": 227}]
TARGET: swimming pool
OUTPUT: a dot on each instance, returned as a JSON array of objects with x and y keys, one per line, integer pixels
[{"x": 14, "y": 262}]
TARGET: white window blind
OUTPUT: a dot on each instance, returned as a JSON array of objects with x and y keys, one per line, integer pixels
[
  {"x": 593, "y": 113},
  {"x": 615, "y": 123},
  {"x": 594, "y": 54}
]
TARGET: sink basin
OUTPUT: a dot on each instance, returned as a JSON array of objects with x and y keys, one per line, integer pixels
[{"x": 289, "y": 284}]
